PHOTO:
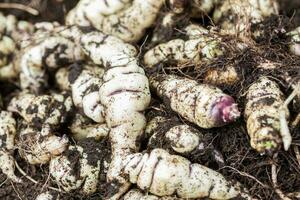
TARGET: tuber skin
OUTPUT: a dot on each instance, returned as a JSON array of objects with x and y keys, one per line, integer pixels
[
  {"x": 205, "y": 105},
  {"x": 82, "y": 127},
  {"x": 37, "y": 147},
  {"x": 125, "y": 19},
  {"x": 45, "y": 196},
  {"x": 201, "y": 46},
  {"x": 7, "y": 145},
  {"x": 44, "y": 111},
  {"x": 239, "y": 15},
  {"x": 295, "y": 41},
  {"x": 163, "y": 174},
  {"x": 136, "y": 194},
  {"x": 74, "y": 170},
  {"x": 263, "y": 101},
  {"x": 85, "y": 84},
  {"x": 183, "y": 139},
  {"x": 45, "y": 53},
  {"x": 125, "y": 95}
]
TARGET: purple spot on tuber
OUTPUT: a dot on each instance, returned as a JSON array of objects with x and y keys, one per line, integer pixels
[{"x": 225, "y": 110}]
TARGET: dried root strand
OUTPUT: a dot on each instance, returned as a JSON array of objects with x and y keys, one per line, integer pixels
[
  {"x": 7, "y": 145},
  {"x": 126, "y": 20},
  {"x": 263, "y": 101},
  {"x": 163, "y": 174},
  {"x": 124, "y": 94},
  {"x": 202, "y": 104},
  {"x": 78, "y": 167}
]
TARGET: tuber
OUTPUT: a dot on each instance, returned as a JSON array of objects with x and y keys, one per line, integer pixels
[{"x": 205, "y": 105}]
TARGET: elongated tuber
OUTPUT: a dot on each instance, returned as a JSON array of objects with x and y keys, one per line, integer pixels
[
  {"x": 126, "y": 20},
  {"x": 263, "y": 101},
  {"x": 125, "y": 95},
  {"x": 135, "y": 194},
  {"x": 202, "y": 104},
  {"x": 163, "y": 174},
  {"x": 7, "y": 145},
  {"x": 78, "y": 167}
]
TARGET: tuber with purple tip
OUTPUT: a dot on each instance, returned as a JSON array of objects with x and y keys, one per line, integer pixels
[{"x": 202, "y": 104}]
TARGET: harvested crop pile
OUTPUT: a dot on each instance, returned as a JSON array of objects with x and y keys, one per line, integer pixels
[{"x": 149, "y": 99}]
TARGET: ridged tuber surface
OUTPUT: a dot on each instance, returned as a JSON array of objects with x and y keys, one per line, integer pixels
[
  {"x": 263, "y": 101},
  {"x": 77, "y": 168},
  {"x": 42, "y": 111},
  {"x": 125, "y": 95},
  {"x": 125, "y": 19},
  {"x": 85, "y": 85},
  {"x": 237, "y": 16},
  {"x": 7, "y": 145},
  {"x": 205, "y": 105},
  {"x": 38, "y": 148},
  {"x": 164, "y": 174}
]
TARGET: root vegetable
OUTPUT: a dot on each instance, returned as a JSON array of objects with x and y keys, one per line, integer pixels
[
  {"x": 45, "y": 53},
  {"x": 263, "y": 101},
  {"x": 239, "y": 15},
  {"x": 227, "y": 76},
  {"x": 82, "y": 128},
  {"x": 295, "y": 41},
  {"x": 125, "y": 95},
  {"x": 38, "y": 148},
  {"x": 77, "y": 168},
  {"x": 42, "y": 111},
  {"x": 45, "y": 196},
  {"x": 85, "y": 84},
  {"x": 202, "y": 104},
  {"x": 7, "y": 145},
  {"x": 181, "y": 138},
  {"x": 200, "y": 47},
  {"x": 126, "y": 20},
  {"x": 135, "y": 194},
  {"x": 163, "y": 174}
]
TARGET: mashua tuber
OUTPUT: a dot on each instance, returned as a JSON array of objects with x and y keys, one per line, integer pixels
[
  {"x": 163, "y": 174},
  {"x": 124, "y": 94},
  {"x": 205, "y": 105},
  {"x": 7, "y": 145},
  {"x": 263, "y": 101},
  {"x": 136, "y": 194},
  {"x": 295, "y": 41}
]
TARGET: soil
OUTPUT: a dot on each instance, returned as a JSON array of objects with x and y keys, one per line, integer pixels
[{"x": 242, "y": 163}]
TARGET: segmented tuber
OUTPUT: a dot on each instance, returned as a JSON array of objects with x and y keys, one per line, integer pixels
[{"x": 135, "y": 194}]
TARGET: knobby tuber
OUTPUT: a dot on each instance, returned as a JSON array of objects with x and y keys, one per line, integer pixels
[
  {"x": 77, "y": 168},
  {"x": 82, "y": 127},
  {"x": 164, "y": 174},
  {"x": 124, "y": 94},
  {"x": 181, "y": 138},
  {"x": 42, "y": 111},
  {"x": 37, "y": 147},
  {"x": 7, "y": 145},
  {"x": 295, "y": 41},
  {"x": 205, "y": 105},
  {"x": 263, "y": 101},
  {"x": 242, "y": 14},
  {"x": 125, "y": 19}
]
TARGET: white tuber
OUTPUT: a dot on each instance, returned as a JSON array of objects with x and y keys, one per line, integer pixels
[
  {"x": 135, "y": 194},
  {"x": 295, "y": 41},
  {"x": 125, "y": 19},
  {"x": 263, "y": 101},
  {"x": 7, "y": 145},
  {"x": 125, "y": 95},
  {"x": 163, "y": 174},
  {"x": 205, "y": 105},
  {"x": 75, "y": 169}
]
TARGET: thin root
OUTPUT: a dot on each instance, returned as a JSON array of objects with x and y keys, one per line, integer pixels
[
  {"x": 297, "y": 153},
  {"x": 19, "y": 7},
  {"x": 32, "y": 180}
]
